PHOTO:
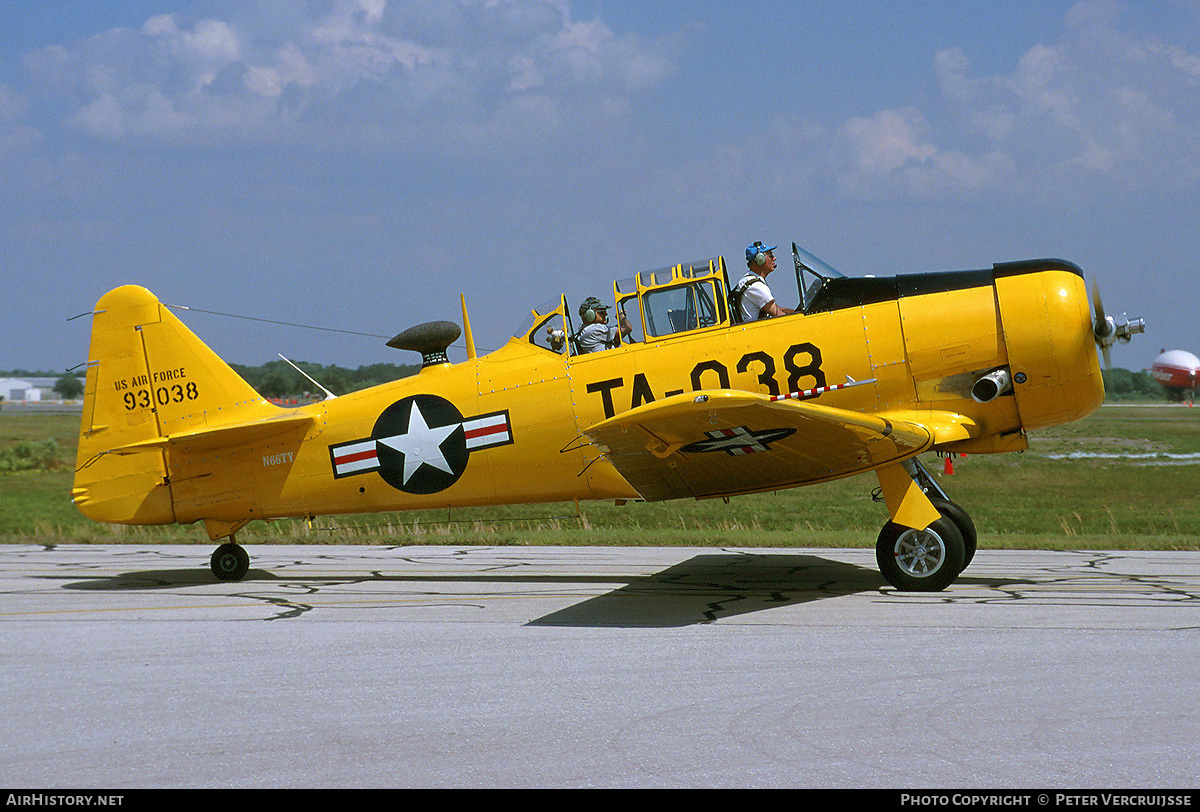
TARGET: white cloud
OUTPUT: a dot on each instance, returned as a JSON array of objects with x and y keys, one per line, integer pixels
[
  {"x": 356, "y": 63},
  {"x": 352, "y": 44},
  {"x": 1101, "y": 106},
  {"x": 890, "y": 153},
  {"x": 950, "y": 68},
  {"x": 290, "y": 67},
  {"x": 12, "y": 106},
  {"x": 209, "y": 44},
  {"x": 887, "y": 141},
  {"x": 1179, "y": 58},
  {"x": 16, "y": 136},
  {"x": 1043, "y": 83}
]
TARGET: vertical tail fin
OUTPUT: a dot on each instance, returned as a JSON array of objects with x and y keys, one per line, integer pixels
[{"x": 148, "y": 376}]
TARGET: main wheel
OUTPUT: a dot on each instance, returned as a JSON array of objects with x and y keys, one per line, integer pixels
[
  {"x": 962, "y": 520},
  {"x": 920, "y": 560},
  {"x": 230, "y": 562}
]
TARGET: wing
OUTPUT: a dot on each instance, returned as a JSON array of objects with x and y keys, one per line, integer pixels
[{"x": 725, "y": 442}]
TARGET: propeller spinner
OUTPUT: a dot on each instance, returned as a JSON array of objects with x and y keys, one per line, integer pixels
[{"x": 1110, "y": 329}]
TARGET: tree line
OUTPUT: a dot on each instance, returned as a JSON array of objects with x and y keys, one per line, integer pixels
[
  {"x": 1124, "y": 384},
  {"x": 278, "y": 379}
]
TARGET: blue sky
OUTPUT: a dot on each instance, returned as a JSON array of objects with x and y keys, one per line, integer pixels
[{"x": 357, "y": 164}]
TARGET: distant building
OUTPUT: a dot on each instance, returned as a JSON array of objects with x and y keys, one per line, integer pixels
[
  {"x": 21, "y": 390},
  {"x": 28, "y": 390}
]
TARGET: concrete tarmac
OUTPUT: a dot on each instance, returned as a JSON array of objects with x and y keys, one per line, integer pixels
[{"x": 129, "y": 666}]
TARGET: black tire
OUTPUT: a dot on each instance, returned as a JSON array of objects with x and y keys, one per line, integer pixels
[
  {"x": 920, "y": 560},
  {"x": 961, "y": 519},
  {"x": 230, "y": 562}
]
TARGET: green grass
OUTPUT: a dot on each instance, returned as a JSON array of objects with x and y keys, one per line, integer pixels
[{"x": 1018, "y": 501}]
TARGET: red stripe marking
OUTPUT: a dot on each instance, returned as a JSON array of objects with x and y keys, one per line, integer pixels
[
  {"x": 501, "y": 428},
  {"x": 361, "y": 455}
]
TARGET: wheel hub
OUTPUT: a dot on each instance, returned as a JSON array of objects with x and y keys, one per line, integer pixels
[{"x": 920, "y": 553}]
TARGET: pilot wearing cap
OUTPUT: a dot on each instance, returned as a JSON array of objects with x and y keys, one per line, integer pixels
[
  {"x": 596, "y": 334},
  {"x": 752, "y": 293}
]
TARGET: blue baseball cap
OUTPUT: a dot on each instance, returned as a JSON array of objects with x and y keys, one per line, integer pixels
[{"x": 755, "y": 247}]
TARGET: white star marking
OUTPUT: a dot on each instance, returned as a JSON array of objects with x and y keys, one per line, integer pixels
[
  {"x": 739, "y": 440},
  {"x": 742, "y": 439},
  {"x": 420, "y": 444}
]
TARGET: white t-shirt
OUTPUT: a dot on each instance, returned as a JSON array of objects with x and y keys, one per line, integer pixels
[
  {"x": 598, "y": 336},
  {"x": 755, "y": 296}
]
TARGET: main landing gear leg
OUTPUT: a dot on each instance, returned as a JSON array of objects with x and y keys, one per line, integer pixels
[
  {"x": 230, "y": 561},
  {"x": 947, "y": 507},
  {"x": 930, "y": 539}
]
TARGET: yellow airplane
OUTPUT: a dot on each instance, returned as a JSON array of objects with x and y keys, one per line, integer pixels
[{"x": 691, "y": 401}]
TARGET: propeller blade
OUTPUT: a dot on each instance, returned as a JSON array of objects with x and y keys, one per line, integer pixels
[{"x": 1102, "y": 327}]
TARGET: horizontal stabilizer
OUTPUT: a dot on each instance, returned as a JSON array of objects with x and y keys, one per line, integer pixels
[{"x": 217, "y": 437}]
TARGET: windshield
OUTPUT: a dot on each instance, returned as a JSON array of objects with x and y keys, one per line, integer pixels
[
  {"x": 536, "y": 315},
  {"x": 811, "y": 274},
  {"x": 680, "y": 308}
]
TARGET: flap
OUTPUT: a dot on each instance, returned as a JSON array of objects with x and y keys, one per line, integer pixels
[{"x": 724, "y": 442}]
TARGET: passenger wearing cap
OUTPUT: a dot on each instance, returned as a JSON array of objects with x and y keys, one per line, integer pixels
[
  {"x": 752, "y": 294},
  {"x": 596, "y": 334}
]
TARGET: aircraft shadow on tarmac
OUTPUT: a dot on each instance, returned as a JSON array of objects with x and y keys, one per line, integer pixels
[
  {"x": 701, "y": 589},
  {"x": 719, "y": 585},
  {"x": 698, "y": 590},
  {"x": 165, "y": 579}
]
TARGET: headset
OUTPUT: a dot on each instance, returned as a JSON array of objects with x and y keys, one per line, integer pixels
[
  {"x": 756, "y": 253},
  {"x": 587, "y": 310}
]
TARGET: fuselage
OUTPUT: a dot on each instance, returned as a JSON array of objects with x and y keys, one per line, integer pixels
[{"x": 507, "y": 427}]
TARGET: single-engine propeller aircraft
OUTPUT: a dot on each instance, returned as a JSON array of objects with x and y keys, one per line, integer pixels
[{"x": 865, "y": 375}]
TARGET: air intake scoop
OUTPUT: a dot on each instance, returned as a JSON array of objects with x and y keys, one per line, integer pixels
[{"x": 431, "y": 339}]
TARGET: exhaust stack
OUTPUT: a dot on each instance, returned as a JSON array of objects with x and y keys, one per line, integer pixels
[{"x": 991, "y": 386}]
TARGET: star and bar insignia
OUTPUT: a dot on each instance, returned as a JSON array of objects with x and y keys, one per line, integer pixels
[
  {"x": 738, "y": 440},
  {"x": 421, "y": 444}
]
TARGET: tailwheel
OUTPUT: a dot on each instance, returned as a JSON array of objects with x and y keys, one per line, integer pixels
[
  {"x": 230, "y": 562},
  {"x": 921, "y": 560}
]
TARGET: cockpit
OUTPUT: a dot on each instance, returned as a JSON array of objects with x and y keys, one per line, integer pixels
[{"x": 678, "y": 300}]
